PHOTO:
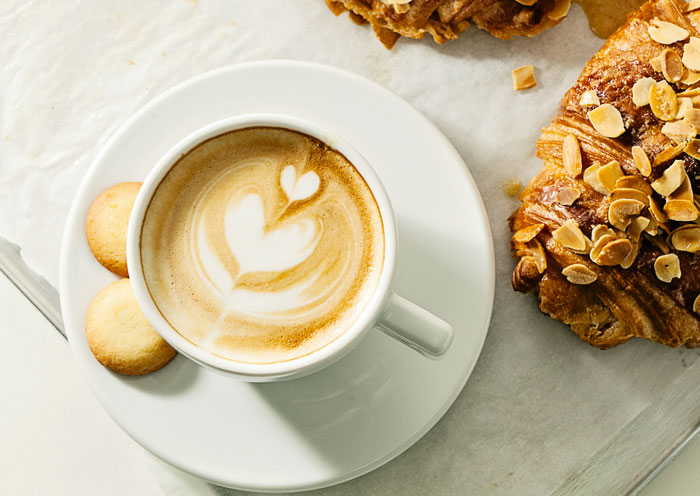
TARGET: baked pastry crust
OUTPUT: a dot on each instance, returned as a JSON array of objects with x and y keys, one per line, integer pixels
[
  {"x": 621, "y": 303},
  {"x": 445, "y": 19}
]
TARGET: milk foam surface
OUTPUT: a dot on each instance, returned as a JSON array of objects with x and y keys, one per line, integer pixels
[{"x": 262, "y": 245}]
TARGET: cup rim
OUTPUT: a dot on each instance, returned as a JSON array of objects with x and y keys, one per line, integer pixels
[{"x": 277, "y": 370}]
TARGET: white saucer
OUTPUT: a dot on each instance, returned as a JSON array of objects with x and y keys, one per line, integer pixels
[{"x": 372, "y": 405}]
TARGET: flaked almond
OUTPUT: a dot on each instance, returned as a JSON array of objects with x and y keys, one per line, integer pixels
[
  {"x": 692, "y": 117},
  {"x": 652, "y": 228},
  {"x": 663, "y": 101},
  {"x": 569, "y": 235},
  {"x": 571, "y": 153},
  {"x": 527, "y": 233},
  {"x": 684, "y": 104},
  {"x": 666, "y": 33},
  {"x": 691, "y": 54},
  {"x": 526, "y": 2},
  {"x": 670, "y": 180},
  {"x": 533, "y": 249},
  {"x": 692, "y": 5},
  {"x": 668, "y": 153},
  {"x": 615, "y": 252},
  {"x": 631, "y": 256},
  {"x": 641, "y": 160},
  {"x": 686, "y": 238},
  {"x": 637, "y": 227},
  {"x": 658, "y": 242},
  {"x": 609, "y": 174},
  {"x": 600, "y": 244},
  {"x": 693, "y": 148},
  {"x": 590, "y": 98},
  {"x": 690, "y": 92},
  {"x": 524, "y": 77},
  {"x": 567, "y": 196},
  {"x": 671, "y": 65},
  {"x": 590, "y": 177},
  {"x": 560, "y": 9},
  {"x": 640, "y": 91},
  {"x": 667, "y": 267},
  {"x": 599, "y": 231},
  {"x": 684, "y": 191},
  {"x": 655, "y": 63},
  {"x": 579, "y": 274},
  {"x": 629, "y": 193},
  {"x": 696, "y": 304},
  {"x": 621, "y": 212},
  {"x": 681, "y": 210},
  {"x": 656, "y": 212},
  {"x": 607, "y": 120},
  {"x": 634, "y": 182},
  {"x": 679, "y": 131},
  {"x": 690, "y": 77}
]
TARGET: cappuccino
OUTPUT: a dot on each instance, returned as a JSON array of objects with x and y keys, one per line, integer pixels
[{"x": 262, "y": 245}]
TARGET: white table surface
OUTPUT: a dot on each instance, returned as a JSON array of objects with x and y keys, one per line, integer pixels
[{"x": 57, "y": 440}]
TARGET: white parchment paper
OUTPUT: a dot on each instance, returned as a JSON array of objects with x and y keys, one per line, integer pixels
[{"x": 540, "y": 402}]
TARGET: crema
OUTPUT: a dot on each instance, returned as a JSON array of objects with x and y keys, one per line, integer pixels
[{"x": 262, "y": 245}]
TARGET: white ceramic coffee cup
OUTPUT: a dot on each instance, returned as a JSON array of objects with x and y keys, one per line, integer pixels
[{"x": 394, "y": 315}]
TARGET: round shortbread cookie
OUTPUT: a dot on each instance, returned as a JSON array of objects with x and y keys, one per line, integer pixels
[
  {"x": 119, "y": 335},
  {"x": 106, "y": 225}
]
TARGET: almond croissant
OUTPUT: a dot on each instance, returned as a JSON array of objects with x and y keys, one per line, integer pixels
[
  {"x": 608, "y": 232},
  {"x": 446, "y": 19}
]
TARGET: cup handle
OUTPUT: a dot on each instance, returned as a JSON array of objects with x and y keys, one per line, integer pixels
[{"x": 415, "y": 327}]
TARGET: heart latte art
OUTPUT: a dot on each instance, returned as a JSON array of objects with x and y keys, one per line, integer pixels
[{"x": 262, "y": 245}]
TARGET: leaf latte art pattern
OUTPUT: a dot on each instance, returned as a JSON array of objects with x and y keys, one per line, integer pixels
[{"x": 262, "y": 245}]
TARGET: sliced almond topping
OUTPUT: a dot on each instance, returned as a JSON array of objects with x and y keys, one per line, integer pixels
[
  {"x": 692, "y": 117},
  {"x": 684, "y": 105},
  {"x": 656, "y": 63},
  {"x": 679, "y": 131},
  {"x": 629, "y": 193},
  {"x": 656, "y": 212},
  {"x": 526, "y": 2},
  {"x": 652, "y": 228},
  {"x": 641, "y": 160},
  {"x": 693, "y": 148},
  {"x": 696, "y": 304},
  {"x": 524, "y": 77},
  {"x": 599, "y": 231},
  {"x": 615, "y": 252},
  {"x": 527, "y": 233},
  {"x": 561, "y": 8},
  {"x": 690, "y": 77},
  {"x": 567, "y": 196},
  {"x": 691, "y": 54},
  {"x": 690, "y": 92},
  {"x": 590, "y": 177},
  {"x": 607, "y": 120},
  {"x": 686, "y": 238},
  {"x": 667, "y": 267},
  {"x": 579, "y": 274},
  {"x": 636, "y": 227},
  {"x": 663, "y": 101},
  {"x": 600, "y": 244},
  {"x": 692, "y": 5},
  {"x": 634, "y": 182},
  {"x": 640, "y": 91},
  {"x": 572, "y": 155},
  {"x": 681, "y": 210},
  {"x": 569, "y": 235},
  {"x": 590, "y": 98},
  {"x": 609, "y": 174},
  {"x": 537, "y": 252},
  {"x": 666, "y": 33},
  {"x": 670, "y": 180},
  {"x": 667, "y": 154},
  {"x": 684, "y": 191},
  {"x": 659, "y": 242},
  {"x": 631, "y": 256},
  {"x": 621, "y": 212},
  {"x": 671, "y": 65}
]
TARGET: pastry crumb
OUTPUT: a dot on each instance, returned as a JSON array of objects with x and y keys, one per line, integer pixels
[
  {"x": 512, "y": 186},
  {"x": 524, "y": 77}
]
